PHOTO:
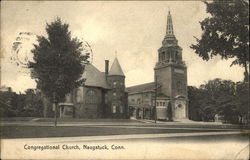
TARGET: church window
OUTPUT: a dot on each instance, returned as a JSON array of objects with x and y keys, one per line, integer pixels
[
  {"x": 68, "y": 97},
  {"x": 163, "y": 103},
  {"x": 106, "y": 98},
  {"x": 114, "y": 109},
  {"x": 79, "y": 95},
  {"x": 133, "y": 100},
  {"x": 167, "y": 56},
  {"x": 157, "y": 103},
  {"x": 176, "y": 54},
  {"x": 139, "y": 101},
  {"x": 121, "y": 109},
  {"x": 114, "y": 84},
  {"x": 160, "y": 103},
  {"x": 91, "y": 97},
  {"x": 163, "y": 56}
]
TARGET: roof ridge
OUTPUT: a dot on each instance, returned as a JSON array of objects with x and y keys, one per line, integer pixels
[{"x": 141, "y": 84}]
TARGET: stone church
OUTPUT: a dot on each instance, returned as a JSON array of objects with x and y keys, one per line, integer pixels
[
  {"x": 169, "y": 87},
  {"x": 102, "y": 95}
]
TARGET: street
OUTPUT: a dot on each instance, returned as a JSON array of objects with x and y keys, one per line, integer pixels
[{"x": 88, "y": 140}]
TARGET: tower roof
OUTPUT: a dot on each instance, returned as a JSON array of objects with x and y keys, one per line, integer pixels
[
  {"x": 169, "y": 39},
  {"x": 169, "y": 30},
  {"x": 116, "y": 68}
]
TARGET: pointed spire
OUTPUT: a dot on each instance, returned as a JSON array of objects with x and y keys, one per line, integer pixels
[
  {"x": 169, "y": 39},
  {"x": 170, "y": 30},
  {"x": 116, "y": 68}
]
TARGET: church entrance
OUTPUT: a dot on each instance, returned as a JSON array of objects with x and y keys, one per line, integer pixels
[{"x": 180, "y": 109}]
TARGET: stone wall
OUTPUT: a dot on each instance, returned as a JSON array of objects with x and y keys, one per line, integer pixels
[{"x": 116, "y": 98}]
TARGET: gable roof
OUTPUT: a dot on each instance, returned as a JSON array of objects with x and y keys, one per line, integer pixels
[
  {"x": 116, "y": 69},
  {"x": 141, "y": 88},
  {"x": 94, "y": 77}
]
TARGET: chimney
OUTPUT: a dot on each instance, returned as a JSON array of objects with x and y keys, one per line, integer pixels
[{"x": 106, "y": 67}]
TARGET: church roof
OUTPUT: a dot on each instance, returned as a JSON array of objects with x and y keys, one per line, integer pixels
[
  {"x": 116, "y": 68},
  {"x": 141, "y": 88},
  {"x": 94, "y": 77}
]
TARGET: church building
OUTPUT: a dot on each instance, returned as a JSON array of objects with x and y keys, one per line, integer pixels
[
  {"x": 102, "y": 95},
  {"x": 168, "y": 92}
]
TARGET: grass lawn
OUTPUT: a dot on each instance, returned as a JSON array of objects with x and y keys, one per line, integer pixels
[
  {"x": 41, "y": 119},
  {"x": 85, "y": 120},
  {"x": 73, "y": 131},
  {"x": 17, "y": 118}
]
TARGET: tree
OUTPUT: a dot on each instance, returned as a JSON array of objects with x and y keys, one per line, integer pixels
[
  {"x": 242, "y": 101},
  {"x": 58, "y": 62},
  {"x": 218, "y": 97},
  {"x": 33, "y": 103},
  {"x": 11, "y": 104},
  {"x": 196, "y": 97},
  {"x": 221, "y": 99},
  {"x": 6, "y": 103},
  {"x": 226, "y": 32}
]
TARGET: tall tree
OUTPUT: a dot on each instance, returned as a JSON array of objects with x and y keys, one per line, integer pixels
[
  {"x": 242, "y": 101},
  {"x": 33, "y": 103},
  {"x": 217, "y": 97},
  {"x": 226, "y": 32},
  {"x": 58, "y": 62}
]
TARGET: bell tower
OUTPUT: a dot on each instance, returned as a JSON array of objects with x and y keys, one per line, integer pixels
[{"x": 171, "y": 73}]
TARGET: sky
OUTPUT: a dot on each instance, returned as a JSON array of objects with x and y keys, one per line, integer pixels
[{"x": 131, "y": 30}]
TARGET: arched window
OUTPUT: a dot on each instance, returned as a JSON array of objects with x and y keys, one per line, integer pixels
[
  {"x": 68, "y": 98},
  {"x": 176, "y": 56},
  {"x": 114, "y": 84},
  {"x": 79, "y": 95},
  {"x": 114, "y": 109},
  {"x": 163, "y": 56},
  {"x": 121, "y": 109},
  {"x": 91, "y": 97},
  {"x": 106, "y": 98},
  {"x": 167, "y": 56}
]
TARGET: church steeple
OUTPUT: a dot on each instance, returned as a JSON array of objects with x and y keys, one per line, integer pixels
[
  {"x": 169, "y": 39},
  {"x": 170, "y": 52},
  {"x": 171, "y": 73},
  {"x": 169, "y": 30}
]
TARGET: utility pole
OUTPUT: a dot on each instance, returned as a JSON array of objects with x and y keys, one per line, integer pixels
[{"x": 55, "y": 108}]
